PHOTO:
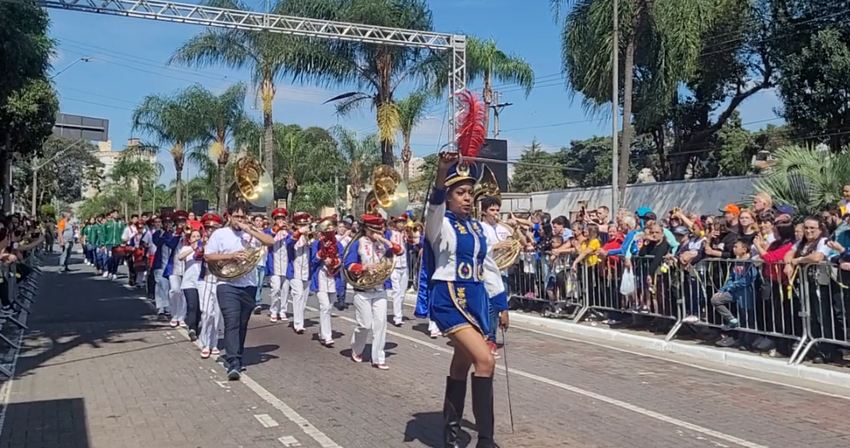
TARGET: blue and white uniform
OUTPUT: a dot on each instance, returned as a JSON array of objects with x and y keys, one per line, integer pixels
[
  {"x": 325, "y": 286},
  {"x": 463, "y": 279}
]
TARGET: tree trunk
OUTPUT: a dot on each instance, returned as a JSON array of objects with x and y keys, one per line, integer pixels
[
  {"x": 406, "y": 155},
  {"x": 6, "y": 173},
  {"x": 626, "y": 136},
  {"x": 222, "y": 188},
  {"x": 141, "y": 193},
  {"x": 178, "y": 188},
  {"x": 488, "y": 100},
  {"x": 267, "y": 92}
]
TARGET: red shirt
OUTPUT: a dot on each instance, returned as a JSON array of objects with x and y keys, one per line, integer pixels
[{"x": 195, "y": 224}]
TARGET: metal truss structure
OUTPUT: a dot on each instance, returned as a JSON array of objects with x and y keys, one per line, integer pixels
[{"x": 297, "y": 26}]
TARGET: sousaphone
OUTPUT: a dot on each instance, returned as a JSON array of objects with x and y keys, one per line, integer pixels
[
  {"x": 389, "y": 193},
  {"x": 254, "y": 186},
  {"x": 488, "y": 186}
]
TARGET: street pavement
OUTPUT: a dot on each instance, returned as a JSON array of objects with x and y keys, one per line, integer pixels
[{"x": 98, "y": 370}]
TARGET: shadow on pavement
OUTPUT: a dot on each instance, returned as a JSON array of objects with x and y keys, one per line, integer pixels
[
  {"x": 427, "y": 428},
  {"x": 52, "y": 423},
  {"x": 78, "y": 308}
]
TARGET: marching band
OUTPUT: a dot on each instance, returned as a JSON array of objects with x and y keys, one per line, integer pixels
[{"x": 207, "y": 275}]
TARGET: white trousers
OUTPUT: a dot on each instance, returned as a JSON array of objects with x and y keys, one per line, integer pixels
[
  {"x": 177, "y": 302},
  {"x": 300, "y": 291},
  {"x": 399, "y": 290},
  {"x": 325, "y": 331},
  {"x": 279, "y": 295},
  {"x": 370, "y": 311},
  {"x": 432, "y": 327},
  {"x": 211, "y": 319},
  {"x": 161, "y": 290}
]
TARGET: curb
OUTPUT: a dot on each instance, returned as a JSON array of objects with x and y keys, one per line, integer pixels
[{"x": 710, "y": 354}]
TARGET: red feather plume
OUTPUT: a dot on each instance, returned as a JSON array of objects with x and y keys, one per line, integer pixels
[{"x": 471, "y": 130}]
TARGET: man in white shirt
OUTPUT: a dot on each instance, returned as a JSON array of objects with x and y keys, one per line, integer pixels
[
  {"x": 236, "y": 296},
  {"x": 496, "y": 236}
]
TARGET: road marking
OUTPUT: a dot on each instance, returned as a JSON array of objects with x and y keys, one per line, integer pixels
[
  {"x": 266, "y": 420},
  {"x": 288, "y": 441},
  {"x": 321, "y": 438},
  {"x": 674, "y": 361},
  {"x": 593, "y": 395}
]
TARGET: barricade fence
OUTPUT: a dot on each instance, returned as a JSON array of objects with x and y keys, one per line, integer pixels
[
  {"x": 19, "y": 282},
  {"x": 776, "y": 307}
]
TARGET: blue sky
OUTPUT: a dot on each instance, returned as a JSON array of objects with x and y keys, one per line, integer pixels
[{"x": 129, "y": 62}]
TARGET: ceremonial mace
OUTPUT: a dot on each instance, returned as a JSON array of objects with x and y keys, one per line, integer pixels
[{"x": 507, "y": 378}]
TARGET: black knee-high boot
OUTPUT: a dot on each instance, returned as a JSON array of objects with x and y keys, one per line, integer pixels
[
  {"x": 453, "y": 411},
  {"x": 482, "y": 409}
]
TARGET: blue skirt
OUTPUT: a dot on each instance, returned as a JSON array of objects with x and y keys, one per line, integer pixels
[{"x": 455, "y": 306}]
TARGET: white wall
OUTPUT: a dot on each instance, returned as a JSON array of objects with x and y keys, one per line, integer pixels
[{"x": 702, "y": 196}]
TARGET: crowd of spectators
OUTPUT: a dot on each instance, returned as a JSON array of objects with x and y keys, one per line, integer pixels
[{"x": 758, "y": 278}]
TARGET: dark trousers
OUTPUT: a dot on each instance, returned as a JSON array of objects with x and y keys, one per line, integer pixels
[
  {"x": 131, "y": 268},
  {"x": 112, "y": 261},
  {"x": 193, "y": 309},
  {"x": 494, "y": 316},
  {"x": 237, "y": 305}
]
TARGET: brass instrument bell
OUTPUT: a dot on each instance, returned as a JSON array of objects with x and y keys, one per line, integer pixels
[
  {"x": 390, "y": 191},
  {"x": 253, "y": 184}
]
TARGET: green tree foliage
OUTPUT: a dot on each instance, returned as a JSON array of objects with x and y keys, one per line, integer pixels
[
  {"x": 529, "y": 178},
  {"x": 26, "y": 48},
  {"x": 67, "y": 168},
  {"x": 814, "y": 59}
]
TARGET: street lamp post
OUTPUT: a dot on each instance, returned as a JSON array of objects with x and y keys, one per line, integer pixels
[{"x": 83, "y": 59}]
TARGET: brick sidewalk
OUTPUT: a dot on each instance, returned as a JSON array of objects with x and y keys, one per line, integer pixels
[{"x": 98, "y": 371}]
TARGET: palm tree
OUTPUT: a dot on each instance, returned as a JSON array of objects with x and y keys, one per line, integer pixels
[
  {"x": 661, "y": 39},
  {"x": 806, "y": 178},
  {"x": 485, "y": 61},
  {"x": 264, "y": 54},
  {"x": 361, "y": 155},
  {"x": 375, "y": 70},
  {"x": 411, "y": 111},
  {"x": 134, "y": 169},
  {"x": 170, "y": 121},
  {"x": 221, "y": 115}
]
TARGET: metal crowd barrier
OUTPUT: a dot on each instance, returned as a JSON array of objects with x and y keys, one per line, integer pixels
[
  {"x": 796, "y": 309},
  {"x": 21, "y": 296}
]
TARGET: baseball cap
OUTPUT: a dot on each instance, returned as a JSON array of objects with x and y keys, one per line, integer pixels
[
  {"x": 785, "y": 209},
  {"x": 681, "y": 230},
  {"x": 650, "y": 216},
  {"x": 731, "y": 208}
]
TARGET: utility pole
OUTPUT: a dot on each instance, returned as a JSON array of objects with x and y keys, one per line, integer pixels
[
  {"x": 497, "y": 110},
  {"x": 615, "y": 109}
]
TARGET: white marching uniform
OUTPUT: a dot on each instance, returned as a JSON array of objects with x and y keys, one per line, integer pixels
[
  {"x": 175, "y": 292},
  {"x": 161, "y": 292},
  {"x": 211, "y": 319},
  {"x": 299, "y": 281},
  {"x": 277, "y": 280},
  {"x": 370, "y": 307},
  {"x": 325, "y": 289},
  {"x": 399, "y": 276}
]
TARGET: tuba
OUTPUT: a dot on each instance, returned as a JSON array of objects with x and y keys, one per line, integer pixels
[
  {"x": 254, "y": 186},
  {"x": 487, "y": 186},
  {"x": 389, "y": 194}
]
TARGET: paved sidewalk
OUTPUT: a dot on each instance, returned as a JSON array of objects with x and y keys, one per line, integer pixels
[{"x": 98, "y": 371}]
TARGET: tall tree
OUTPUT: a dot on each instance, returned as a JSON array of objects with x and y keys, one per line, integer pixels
[
  {"x": 361, "y": 155},
  {"x": 221, "y": 115},
  {"x": 486, "y": 62},
  {"x": 27, "y": 48},
  {"x": 174, "y": 121},
  {"x": 135, "y": 171},
  {"x": 529, "y": 178},
  {"x": 659, "y": 41},
  {"x": 263, "y": 54},
  {"x": 411, "y": 110},
  {"x": 376, "y": 71}
]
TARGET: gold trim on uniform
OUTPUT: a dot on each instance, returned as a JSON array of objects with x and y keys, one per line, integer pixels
[
  {"x": 464, "y": 270},
  {"x": 459, "y": 300}
]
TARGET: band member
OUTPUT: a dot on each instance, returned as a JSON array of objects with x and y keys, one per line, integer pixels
[
  {"x": 397, "y": 235},
  {"x": 326, "y": 276},
  {"x": 164, "y": 242},
  {"x": 137, "y": 258},
  {"x": 236, "y": 296},
  {"x": 153, "y": 224},
  {"x": 174, "y": 270},
  {"x": 298, "y": 273},
  {"x": 423, "y": 304},
  {"x": 277, "y": 266},
  {"x": 191, "y": 255},
  {"x": 211, "y": 319},
  {"x": 130, "y": 230},
  {"x": 259, "y": 223},
  {"x": 343, "y": 235},
  {"x": 496, "y": 239},
  {"x": 111, "y": 239},
  {"x": 370, "y": 306},
  {"x": 464, "y": 284}
]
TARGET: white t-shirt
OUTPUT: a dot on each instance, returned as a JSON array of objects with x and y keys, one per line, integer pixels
[
  {"x": 191, "y": 270},
  {"x": 495, "y": 234},
  {"x": 225, "y": 241},
  {"x": 147, "y": 238},
  {"x": 129, "y": 232}
]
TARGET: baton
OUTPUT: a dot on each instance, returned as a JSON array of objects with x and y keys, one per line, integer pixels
[{"x": 507, "y": 378}]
